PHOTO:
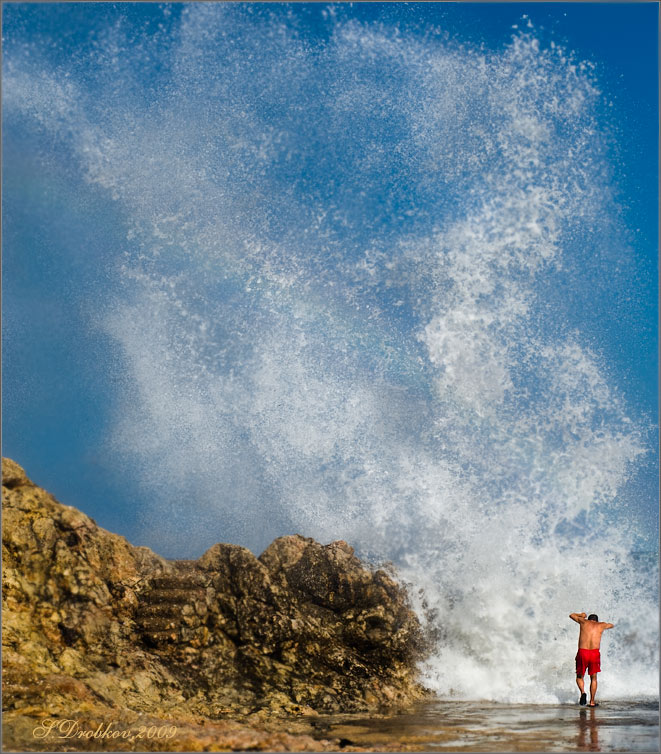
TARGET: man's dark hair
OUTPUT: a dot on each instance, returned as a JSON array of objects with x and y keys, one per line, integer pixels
[{"x": 593, "y": 617}]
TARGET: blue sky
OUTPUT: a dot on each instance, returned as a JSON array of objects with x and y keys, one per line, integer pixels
[{"x": 66, "y": 386}]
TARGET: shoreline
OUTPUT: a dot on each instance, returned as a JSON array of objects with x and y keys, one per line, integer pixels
[{"x": 437, "y": 725}]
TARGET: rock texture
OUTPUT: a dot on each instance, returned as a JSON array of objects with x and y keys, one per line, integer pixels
[{"x": 94, "y": 626}]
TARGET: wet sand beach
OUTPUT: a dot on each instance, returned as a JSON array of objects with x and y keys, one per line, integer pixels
[{"x": 433, "y": 726}]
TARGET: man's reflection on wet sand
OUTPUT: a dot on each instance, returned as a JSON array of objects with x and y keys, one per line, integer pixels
[{"x": 588, "y": 730}]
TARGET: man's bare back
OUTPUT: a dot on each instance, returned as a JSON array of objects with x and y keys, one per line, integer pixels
[
  {"x": 588, "y": 657},
  {"x": 591, "y": 631}
]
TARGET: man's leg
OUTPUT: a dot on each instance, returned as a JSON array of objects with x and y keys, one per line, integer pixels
[
  {"x": 593, "y": 688},
  {"x": 581, "y": 688}
]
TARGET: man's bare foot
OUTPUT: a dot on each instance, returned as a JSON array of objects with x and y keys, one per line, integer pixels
[{"x": 593, "y": 704}]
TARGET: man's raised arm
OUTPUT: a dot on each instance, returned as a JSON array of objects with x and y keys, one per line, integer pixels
[
  {"x": 579, "y": 617},
  {"x": 607, "y": 625}
]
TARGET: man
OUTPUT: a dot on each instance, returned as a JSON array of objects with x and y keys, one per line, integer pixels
[{"x": 588, "y": 657}]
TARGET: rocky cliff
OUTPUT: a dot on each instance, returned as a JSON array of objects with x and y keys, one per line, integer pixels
[{"x": 94, "y": 626}]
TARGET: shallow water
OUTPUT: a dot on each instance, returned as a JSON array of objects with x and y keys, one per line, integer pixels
[{"x": 485, "y": 726}]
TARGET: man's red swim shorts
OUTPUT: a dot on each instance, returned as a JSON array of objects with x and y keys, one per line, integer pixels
[{"x": 588, "y": 659}]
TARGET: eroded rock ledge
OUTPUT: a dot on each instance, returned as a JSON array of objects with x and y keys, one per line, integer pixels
[{"x": 90, "y": 620}]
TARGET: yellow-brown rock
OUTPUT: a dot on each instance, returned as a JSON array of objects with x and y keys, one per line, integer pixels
[{"x": 95, "y": 626}]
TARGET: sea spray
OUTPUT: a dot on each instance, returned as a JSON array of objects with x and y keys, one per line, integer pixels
[{"x": 333, "y": 313}]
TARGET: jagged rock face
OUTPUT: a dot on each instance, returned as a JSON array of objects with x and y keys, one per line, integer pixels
[{"x": 90, "y": 619}]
